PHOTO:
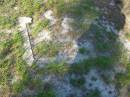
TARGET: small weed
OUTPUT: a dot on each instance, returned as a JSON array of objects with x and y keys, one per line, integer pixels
[
  {"x": 82, "y": 50},
  {"x": 93, "y": 78},
  {"x": 103, "y": 62},
  {"x": 86, "y": 65},
  {"x": 47, "y": 91},
  {"x": 94, "y": 93},
  {"x": 106, "y": 79},
  {"x": 81, "y": 67},
  {"x": 78, "y": 82}
]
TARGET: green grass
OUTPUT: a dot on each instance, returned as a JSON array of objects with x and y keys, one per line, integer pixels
[
  {"x": 123, "y": 79},
  {"x": 6, "y": 22},
  {"x": 29, "y": 7},
  {"x": 9, "y": 6},
  {"x": 9, "y": 15},
  {"x": 4, "y": 48},
  {"x": 5, "y": 62},
  {"x": 11, "y": 49},
  {"x": 34, "y": 8},
  {"x": 74, "y": 7},
  {"x": 12, "y": 63},
  {"x": 57, "y": 68},
  {"x": 85, "y": 65},
  {"x": 47, "y": 49},
  {"x": 39, "y": 26},
  {"x": 20, "y": 85}
]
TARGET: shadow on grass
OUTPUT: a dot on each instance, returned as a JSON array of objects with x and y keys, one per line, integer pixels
[
  {"x": 103, "y": 34},
  {"x": 101, "y": 28}
]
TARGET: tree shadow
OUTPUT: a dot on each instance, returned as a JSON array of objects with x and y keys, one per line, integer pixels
[
  {"x": 101, "y": 36},
  {"x": 98, "y": 24},
  {"x": 103, "y": 33}
]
